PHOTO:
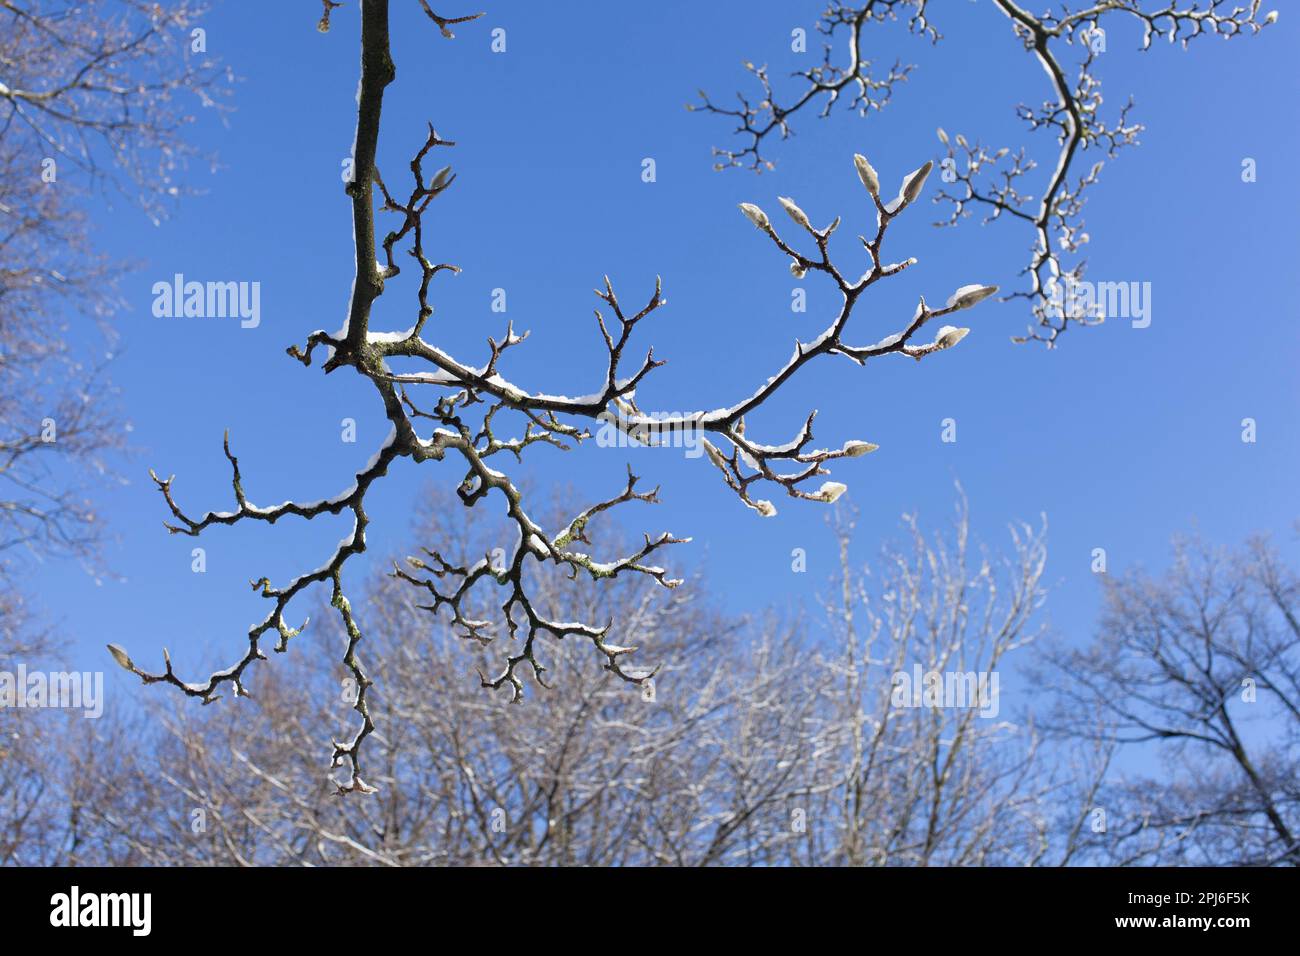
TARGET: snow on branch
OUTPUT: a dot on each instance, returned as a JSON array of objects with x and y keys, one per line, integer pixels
[
  {"x": 464, "y": 411},
  {"x": 822, "y": 84},
  {"x": 989, "y": 178}
]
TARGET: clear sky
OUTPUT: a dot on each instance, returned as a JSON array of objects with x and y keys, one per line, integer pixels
[{"x": 1122, "y": 436}]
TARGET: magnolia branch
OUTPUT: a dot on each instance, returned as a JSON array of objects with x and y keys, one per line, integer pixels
[
  {"x": 465, "y": 410},
  {"x": 991, "y": 179},
  {"x": 823, "y": 83}
]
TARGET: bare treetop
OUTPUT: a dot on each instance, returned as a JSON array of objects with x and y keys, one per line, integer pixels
[
  {"x": 91, "y": 95},
  {"x": 795, "y": 752},
  {"x": 102, "y": 89},
  {"x": 1203, "y": 663}
]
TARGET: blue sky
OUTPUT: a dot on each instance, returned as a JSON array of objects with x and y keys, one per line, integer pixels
[{"x": 1121, "y": 436}]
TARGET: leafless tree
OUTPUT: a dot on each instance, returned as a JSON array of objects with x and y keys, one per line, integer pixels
[
  {"x": 962, "y": 780},
  {"x": 754, "y": 744},
  {"x": 91, "y": 98},
  {"x": 24, "y": 800},
  {"x": 461, "y": 408},
  {"x": 1198, "y": 672},
  {"x": 676, "y": 771},
  {"x": 987, "y": 178}
]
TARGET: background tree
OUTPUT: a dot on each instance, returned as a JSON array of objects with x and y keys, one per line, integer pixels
[
  {"x": 971, "y": 785},
  {"x": 1199, "y": 670},
  {"x": 993, "y": 180},
  {"x": 790, "y": 751},
  {"x": 753, "y": 745},
  {"x": 92, "y": 99},
  {"x": 26, "y": 801}
]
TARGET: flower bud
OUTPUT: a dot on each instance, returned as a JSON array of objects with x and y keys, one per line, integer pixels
[
  {"x": 913, "y": 184},
  {"x": 765, "y": 508},
  {"x": 969, "y": 295},
  {"x": 715, "y": 456},
  {"x": 830, "y": 491},
  {"x": 797, "y": 270},
  {"x": 949, "y": 336},
  {"x": 867, "y": 175},
  {"x": 755, "y": 215},
  {"x": 797, "y": 214},
  {"x": 856, "y": 449},
  {"x": 120, "y": 655}
]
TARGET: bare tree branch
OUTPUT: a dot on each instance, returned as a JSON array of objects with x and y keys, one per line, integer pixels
[
  {"x": 468, "y": 402},
  {"x": 1201, "y": 666},
  {"x": 992, "y": 178},
  {"x": 92, "y": 95}
]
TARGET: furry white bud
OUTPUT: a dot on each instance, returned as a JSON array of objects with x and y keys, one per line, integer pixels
[
  {"x": 765, "y": 508},
  {"x": 797, "y": 270},
  {"x": 830, "y": 491},
  {"x": 856, "y": 449},
  {"x": 755, "y": 215},
  {"x": 121, "y": 656},
  {"x": 797, "y": 214},
  {"x": 715, "y": 456},
  {"x": 867, "y": 174},
  {"x": 969, "y": 295},
  {"x": 914, "y": 182},
  {"x": 949, "y": 336},
  {"x": 1271, "y": 18},
  {"x": 440, "y": 178}
]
